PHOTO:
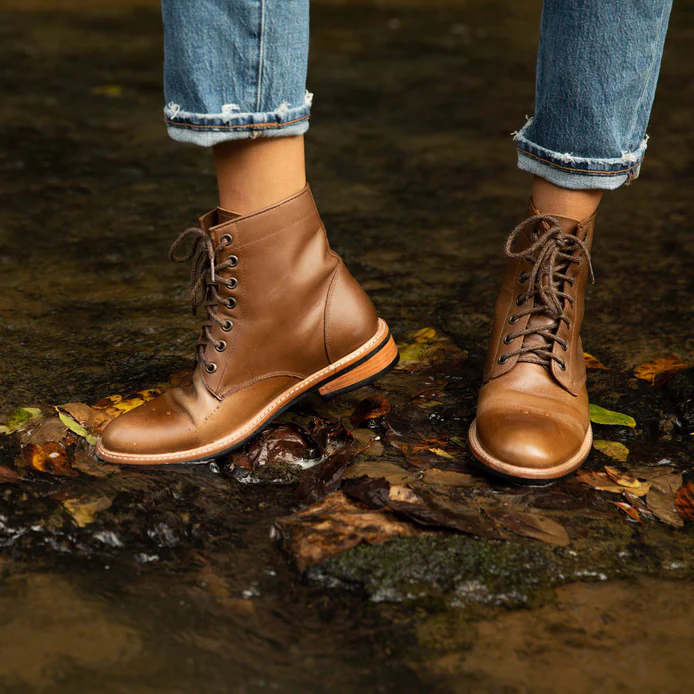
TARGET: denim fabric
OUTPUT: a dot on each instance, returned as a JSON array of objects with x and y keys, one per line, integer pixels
[
  {"x": 235, "y": 69},
  {"x": 597, "y": 69}
]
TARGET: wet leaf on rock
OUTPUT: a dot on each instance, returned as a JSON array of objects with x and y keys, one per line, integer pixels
[
  {"x": 612, "y": 449},
  {"x": 661, "y": 499},
  {"x": 279, "y": 444},
  {"x": 530, "y": 524},
  {"x": 331, "y": 435},
  {"x": 76, "y": 428},
  {"x": 684, "y": 501},
  {"x": 19, "y": 417},
  {"x": 629, "y": 510},
  {"x": 394, "y": 473},
  {"x": 593, "y": 363},
  {"x": 622, "y": 479},
  {"x": 373, "y": 492},
  {"x": 446, "y": 478},
  {"x": 368, "y": 409},
  {"x": 84, "y": 509},
  {"x": 51, "y": 457},
  {"x": 424, "y": 347},
  {"x": 599, "y": 415},
  {"x": 334, "y": 525},
  {"x": 669, "y": 364},
  {"x": 615, "y": 483}
]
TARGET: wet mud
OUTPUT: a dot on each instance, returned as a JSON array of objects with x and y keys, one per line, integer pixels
[{"x": 409, "y": 570}]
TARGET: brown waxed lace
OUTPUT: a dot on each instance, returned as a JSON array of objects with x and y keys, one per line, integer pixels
[
  {"x": 203, "y": 291},
  {"x": 552, "y": 253}
]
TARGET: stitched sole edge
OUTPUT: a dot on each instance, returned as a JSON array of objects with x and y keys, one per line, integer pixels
[{"x": 382, "y": 339}]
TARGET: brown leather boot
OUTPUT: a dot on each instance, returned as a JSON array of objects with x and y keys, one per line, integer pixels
[
  {"x": 284, "y": 318},
  {"x": 532, "y": 413}
]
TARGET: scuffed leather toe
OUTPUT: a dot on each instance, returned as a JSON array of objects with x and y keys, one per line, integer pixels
[{"x": 157, "y": 427}]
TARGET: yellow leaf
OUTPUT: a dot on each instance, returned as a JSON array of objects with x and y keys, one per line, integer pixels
[
  {"x": 592, "y": 362},
  {"x": 621, "y": 478},
  {"x": 442, "y": 453},
  {"x": 424, "y": 335},
  {"x": 75, "y": 427},
  {"x": 613, "y": 449},
  {"x": 84, "y": 509},
  {"x": 112, "y": 91},
  {"x": 667, "y": 364}
]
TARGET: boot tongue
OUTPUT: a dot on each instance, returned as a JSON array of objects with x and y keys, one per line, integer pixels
[{"x": 215, "y": 219}]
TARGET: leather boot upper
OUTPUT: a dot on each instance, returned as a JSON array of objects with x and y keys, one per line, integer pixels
[
  {"x": 532, "y": 410},
  {"x": 280, "y": 305}
]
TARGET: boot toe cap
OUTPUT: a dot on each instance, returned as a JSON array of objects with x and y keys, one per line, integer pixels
[
  {"x": 529, "y": 441},
  {"x": 158, "y": 427}
]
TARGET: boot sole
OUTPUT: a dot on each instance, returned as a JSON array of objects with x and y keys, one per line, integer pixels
[
  {"x": 520, "y": 475},
  {"x": 371, "y": 361}
]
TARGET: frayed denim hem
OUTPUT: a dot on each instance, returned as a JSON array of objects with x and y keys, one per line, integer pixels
[
  {"x": 574, "y": 172},
  {"x": 207, "y": 130}
]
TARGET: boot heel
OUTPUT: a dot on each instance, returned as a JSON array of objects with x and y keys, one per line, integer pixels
[{"x": 374, "y": 367}]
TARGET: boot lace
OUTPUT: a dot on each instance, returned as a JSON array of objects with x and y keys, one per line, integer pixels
[
  {"x": 204, "y": 286},
  {"x": 552, "y": 252}
]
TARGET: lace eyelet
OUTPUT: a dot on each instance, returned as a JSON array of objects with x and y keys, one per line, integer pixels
[
  {"x": 226, "y": 239},
  {"x": 230, "y": 303},
  {"x": 524, "y": 277},
  {"x": 565, "y": 346},
  {"x": 233, "y": 261},
  {"x": 227, "y": 326},
  {"x": 221, "y": 346},
  {"x": 210, "y": 368},
  {"x": 562, "y": 365},
  {"x": 508, "y": 339},
  {"x": 502, "y": 359},
  {"x": 521, "y": 299},
  {"x": 232, "y": 283},
  {"x": 513, "y": 319}
]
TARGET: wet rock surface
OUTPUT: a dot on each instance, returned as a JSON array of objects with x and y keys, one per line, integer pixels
[{"x": 355, "y": 545}]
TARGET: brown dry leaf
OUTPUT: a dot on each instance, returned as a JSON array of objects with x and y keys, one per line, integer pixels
[
  {"x": 629, "y": 510},
  {"x": 447, "y": 478},
  {"x": 7, "y": 474},
  {"x": 380, "y": 469},
  {"x": 334, "y": 525},
  {"x": 530, "y": 524},
  {"x": 622, "y": 479},
  {"x": 669, "y": 364},
  {"x": 369, "y": 408},
  {"x": 661, "y": 499},
  {"x": 51, "y": 457},
  {"x": 84, "y": 509},
  {"x": 593, "y": 363},
  {"x": 612, "y": 449},
  {"x": 599, "y": 481},
  {"x": 684, "y": 501}
]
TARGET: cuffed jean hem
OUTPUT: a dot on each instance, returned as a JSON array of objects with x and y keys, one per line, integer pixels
[
  {"x": 207, "y": 130},
  {"x": 578, "y": 173}
]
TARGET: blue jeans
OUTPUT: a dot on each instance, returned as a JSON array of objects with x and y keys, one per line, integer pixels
[{"x": 237, "y": 69}]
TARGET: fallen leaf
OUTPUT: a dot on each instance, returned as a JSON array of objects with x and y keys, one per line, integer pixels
[
  {"x": 621, "y": 478},
  {"x": 78, "y": 429},
  {"x": 424, "y": 347},
  {"x": 668, "y": 364},
  {"x": 112, "y": 91},
  {"x": 84, "y": 509},
  {"x": 629, "y": 510},
  {"x": 19, "y": 417},
  {"x": 599, "y": 415},
  {"x": 442, "y": 453},
  {"x": 372, "y": 492},
  {"x": 599, "y": 481},
  {"x": 334, "y": 525},
  {"x": 593, "y": 363},
  {"x": 612, "y": 449},
  {"x": 684, "y": 501},
  {"x": 380, "y": 469},
  {"x": 369, "y": 408},
  {"x": 51, "y": 457},
  {"x": 447, "y": 478},
  {"x": 661, "y": 499},
  {"x": 7, "y": 474},
  {"x": 373, "y": 446},
  {"x": 530, "y": 524}
]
